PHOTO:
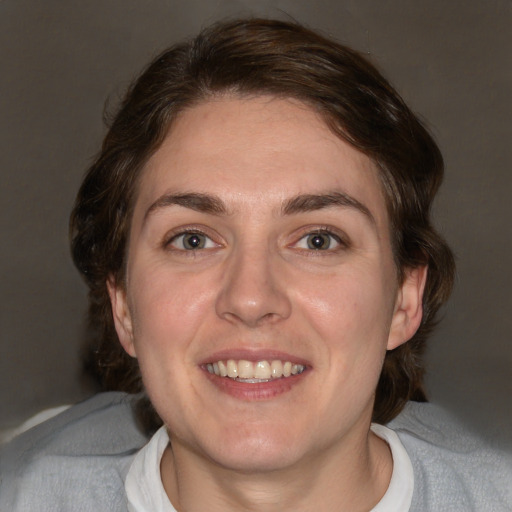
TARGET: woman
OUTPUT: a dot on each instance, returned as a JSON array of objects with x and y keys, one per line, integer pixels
[{"x": 256, "y": 239}]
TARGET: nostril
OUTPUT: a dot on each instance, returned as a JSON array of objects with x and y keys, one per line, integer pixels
[
  {"x": 255, "y": 314},
  {"x": 252, "y": 293}
]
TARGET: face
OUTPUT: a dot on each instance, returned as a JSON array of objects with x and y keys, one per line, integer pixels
[{"x": 261, "y": 293}]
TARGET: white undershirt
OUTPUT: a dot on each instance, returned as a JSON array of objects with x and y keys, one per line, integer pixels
[
  {"x": 398, "y": 497},
  {"x": 145, "y": 491}
]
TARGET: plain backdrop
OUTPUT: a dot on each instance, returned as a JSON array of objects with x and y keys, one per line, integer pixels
[{"x": 61, "y": 60}]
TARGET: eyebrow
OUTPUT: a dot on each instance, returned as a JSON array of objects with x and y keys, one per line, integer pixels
[
  {"x": 302, "y": 203},
  {"x": 312, "y": 202},
  {"x": 204, "y": 203}
]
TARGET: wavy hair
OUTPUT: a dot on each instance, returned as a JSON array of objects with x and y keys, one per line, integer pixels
[{"x": 256, "y": 57}]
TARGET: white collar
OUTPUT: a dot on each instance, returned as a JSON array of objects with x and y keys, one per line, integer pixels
[
  {"x": 143, "y": 485},
  {"x": 398, "y": 496}
]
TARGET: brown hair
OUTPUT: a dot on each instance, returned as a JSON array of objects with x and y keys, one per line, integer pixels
[{"x": 253, "y": 57}]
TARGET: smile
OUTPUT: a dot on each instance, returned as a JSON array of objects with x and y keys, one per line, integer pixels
[{"x": 254, "y": 372}]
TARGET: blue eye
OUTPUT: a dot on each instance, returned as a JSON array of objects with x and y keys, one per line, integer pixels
[
  {"x": 192, "y": 241},
  {"x": 319, "y": 241}
]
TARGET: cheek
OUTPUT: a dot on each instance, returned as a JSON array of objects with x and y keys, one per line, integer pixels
[
  {"x": 168, "y": 312},
  {"x": 167, "y": 308},
  {"x": 350, "y": 314},
  {"x": 356, "y": 303}
]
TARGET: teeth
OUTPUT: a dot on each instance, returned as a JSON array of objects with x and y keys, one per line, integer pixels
[
  {"x": 232, "y": 369},
  {"x": 250, "y": 372},
  {"x": 262, "y": 370},
  {"x": 276, "y": 369},
  {"x": 245, "y": 369},
  {"x": 223, "y": 371}
]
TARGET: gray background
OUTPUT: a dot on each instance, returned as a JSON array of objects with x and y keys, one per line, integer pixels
[{"x": 60, "y": 61}]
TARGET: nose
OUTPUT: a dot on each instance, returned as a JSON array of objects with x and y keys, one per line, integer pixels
[{"x": 254, "y": 290}]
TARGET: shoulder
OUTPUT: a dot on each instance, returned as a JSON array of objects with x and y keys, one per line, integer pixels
[
  {"x": 76, "y": 460},
  {"x": 454, "y": 469}
]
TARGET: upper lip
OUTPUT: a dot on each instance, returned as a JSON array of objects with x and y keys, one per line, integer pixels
[{"x": 253, "y": 355}]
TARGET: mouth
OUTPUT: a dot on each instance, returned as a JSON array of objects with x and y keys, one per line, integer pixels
[
  {"x": 251, "y": 372},
  {"x": 252, "y": 377}
]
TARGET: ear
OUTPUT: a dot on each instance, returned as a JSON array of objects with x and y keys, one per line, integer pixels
[
  {"x": 121, "y": 314},
  {"x": 408, "y": 307}
]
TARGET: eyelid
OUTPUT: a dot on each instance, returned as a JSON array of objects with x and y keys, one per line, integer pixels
[
  {"x": 180, "y": 231},
  {"x": 342, "y": 240}
]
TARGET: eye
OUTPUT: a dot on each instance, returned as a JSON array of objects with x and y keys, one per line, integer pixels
[
  {"x": 191, "y": 241},
  {"x": 319, "y": 241}
]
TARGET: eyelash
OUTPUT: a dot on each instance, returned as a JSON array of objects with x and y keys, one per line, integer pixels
[
  {"x": 339, "y": 241},
  {"x": 182, "y": 233}
]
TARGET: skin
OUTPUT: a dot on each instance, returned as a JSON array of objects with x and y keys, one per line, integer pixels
[{"x": 255, "y": 288}]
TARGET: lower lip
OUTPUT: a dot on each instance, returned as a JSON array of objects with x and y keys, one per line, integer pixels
[{"x": 255, "y": 391}]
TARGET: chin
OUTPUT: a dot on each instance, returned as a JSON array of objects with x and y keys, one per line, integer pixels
[
  {"x": 260, "y": 451},
  {"x": 257, "y": 461}
]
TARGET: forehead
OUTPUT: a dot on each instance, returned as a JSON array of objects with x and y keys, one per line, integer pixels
[{"x": 255, "y": 152}]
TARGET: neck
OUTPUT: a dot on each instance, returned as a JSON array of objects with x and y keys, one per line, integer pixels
[{"x": 334, "y": 479}]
